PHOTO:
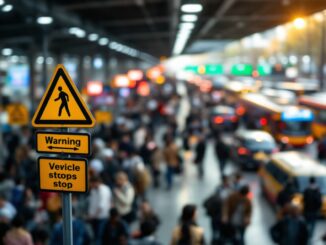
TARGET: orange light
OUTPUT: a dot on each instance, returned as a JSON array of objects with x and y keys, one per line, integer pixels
[
  {"x": 255, "y": 74},
  {"x": 240, "y": 111},
  {"x": 243, "y": 151},
  {"x": 263, "y": 121},
  {"x": 143, "y": 89},
  {"x": 218, "y": 120},
  {"x": 160, "y": 79},
  {"x": 154, "y": 72},
  {"x": 121, "y": 81},
  {"x": 285, "y": 139},
  {"x": 309, "y": 140},
  {"x": 94, "y": 88},
  {"x": 201, "y": 69},
  {"x": 135, "y": 75},
  {"x": 250, "y": 195}
]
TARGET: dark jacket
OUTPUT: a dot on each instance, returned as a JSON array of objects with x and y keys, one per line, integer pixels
[
  {"x": 312, "y": 200},
  {"x": 113, "y": 234},
  {"x": 290, "y": 230}
]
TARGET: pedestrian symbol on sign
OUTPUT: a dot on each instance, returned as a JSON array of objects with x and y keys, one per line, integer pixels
[{"x": 64, "y": 101}]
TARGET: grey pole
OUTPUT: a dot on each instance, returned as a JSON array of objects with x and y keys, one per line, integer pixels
[
  {"x": 45, "y": 44},
  {"x": 67, "y": 215}
]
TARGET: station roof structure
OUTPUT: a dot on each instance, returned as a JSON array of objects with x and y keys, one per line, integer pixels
[{"x": 149, "y": 26}]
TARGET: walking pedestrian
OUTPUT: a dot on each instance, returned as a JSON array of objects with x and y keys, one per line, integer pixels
[
  {"x": 100, "y": 199},
  {"x": 214, "y": 205},
  {"x": 200, "y": 155},
  {"x": 123, "y": 197},
  {"x": 237, "y": 212},
  {"x": 222, "y": 153},
  {"x": 291, "y": 228},
  {"x": 312, "y": 202},
  {"x": 171, "y": 157},
  {"x": 188, "y": 232},
  {"x": 115, "y": 230}
]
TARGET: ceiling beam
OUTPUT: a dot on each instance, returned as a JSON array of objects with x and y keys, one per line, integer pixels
[
  {"x": 174, "y": 9},
  {"x": 145, "y": 35},
  {"x": 134, "y": 22},
  {"x": 226, "y": 5},
  {"x": 106, "y": 4}
]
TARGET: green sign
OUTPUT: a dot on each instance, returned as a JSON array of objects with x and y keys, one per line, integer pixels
[
  {"x": 214, "y": 69},
  {"x": 192, "y": 69},
  {"x": 264, "y": 70},
  {"x": 241, "y": 70},
  {"x": 208, "y": 69}
]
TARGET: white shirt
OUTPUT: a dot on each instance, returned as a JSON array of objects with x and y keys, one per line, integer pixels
[
  {"x": 123, "y": 199},
  {"x": 100, "y": 202}
]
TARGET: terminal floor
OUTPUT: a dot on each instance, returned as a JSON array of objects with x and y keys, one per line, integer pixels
[{"x": 189, "y": 189}]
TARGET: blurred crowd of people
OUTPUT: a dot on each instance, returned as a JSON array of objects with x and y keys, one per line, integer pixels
[{"x": 144, "y": 147}]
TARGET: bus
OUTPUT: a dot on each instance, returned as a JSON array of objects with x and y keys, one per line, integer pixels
[
  {"x": 289, "y": 124},
  {"x": 296, "y": 167},
  {"x": 317, "y": 103},
  {"x": 233, "y": 90}
]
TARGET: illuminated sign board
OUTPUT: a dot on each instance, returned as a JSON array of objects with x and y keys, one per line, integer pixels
[{"x": 297, "y": 115}]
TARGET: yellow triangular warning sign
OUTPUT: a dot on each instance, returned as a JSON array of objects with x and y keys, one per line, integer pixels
[{"x": 62, "y": 106}]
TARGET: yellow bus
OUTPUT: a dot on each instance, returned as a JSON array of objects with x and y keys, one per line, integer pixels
[
  {"x": 289, "y": 124},
  {"x": 317, "y": 103},
  {"x": 295, "y": 167}
]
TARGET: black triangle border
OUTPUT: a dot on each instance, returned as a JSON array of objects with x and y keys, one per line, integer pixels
[{"x": 38, "y": 121}]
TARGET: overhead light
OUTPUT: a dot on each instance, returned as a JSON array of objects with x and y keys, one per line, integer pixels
[
  {"x": 92, "y": 37},
  {"x": 103, "y": 41},
  {"x": 6, "y": 51},
  {"x": 44, "y": 20},
  {"x": 189, "y": 17},
  {"x": 2, "y": 2},
  {"x": 7, "y": 8},
  {"x": 191, "y": 8},
  {"x": 299, "y": 23},
  {"x": 113, "y": 45},
  {"x": 188, "y": 26},
  {"x": 40, "y": 60},
  {"x": 78, "y": 32}
]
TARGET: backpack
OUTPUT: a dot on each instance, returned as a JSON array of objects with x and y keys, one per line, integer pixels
[{"x": 213, "y": 204}]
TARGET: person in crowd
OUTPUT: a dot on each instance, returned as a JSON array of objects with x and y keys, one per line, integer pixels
[
  {"x": 17, "y": 234},
  {"x": 222, "y": 153},
  {"x": 200, "y": 155},
  {"x": 285, "y": 196},
  {"x": 171, "y": 157},
  {"x": 148, "y": 216},
  {"x": 123, "y": 197},
  {"x": 188, "y": 232},
  {"x": 238, "y": 181},
  {"x": 237, "y": 211},
  {"x": 96, "y": 166},
  {"x": 100, "y": 199},
  {"x": 291, "y": 228},
  {"x": 312, "y": 203},
  {"x": 214, "y": 206},
  {"x": 4, "y": 225},
  {"x": 321, "y": 148},
  {"x": 111, "y": 166},
  {"x": 142, "y": 180},
  {"x": 80, "y": 233},
  {"x": 155, "y": 165},
  {"x": 7, "y": 207},
  {"x": 115, "y": 230},
  {"x": 147, "y": 229}
]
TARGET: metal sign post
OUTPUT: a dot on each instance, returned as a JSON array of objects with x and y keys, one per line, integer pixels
[
  {"x": 67, "y": 214},
  {"x": 62, "y": 107}
]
